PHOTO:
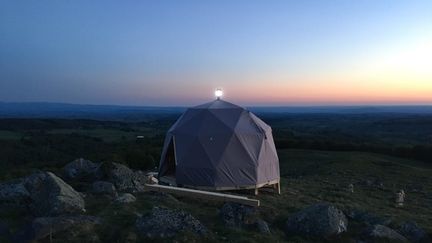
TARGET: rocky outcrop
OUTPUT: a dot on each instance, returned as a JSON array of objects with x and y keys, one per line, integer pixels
[
  {"x": 81, "y": 169},
  {"x": 51, "y": 196},
  {"x": 165, "y": 223},
  {"x": 413, "y": 232},
  {"x": 125, "y": 198},
  {"x": 366, "y": 217},
  {"x": 124, "y": 179},
  {"x": 237, "y": 215},
  {"x": 382, "y": 233},
  {"x": 69, "y": 227},
  {"x": 320, "y": 220},
  {"x": 262, "y": 226},
  {"x": 240, "y": 216},
  {"x": 104, "y": 187},
  {"x": 13, "y": 195}
]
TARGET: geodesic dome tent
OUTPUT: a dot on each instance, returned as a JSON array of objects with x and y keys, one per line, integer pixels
[{"x": 219, "y": 146}]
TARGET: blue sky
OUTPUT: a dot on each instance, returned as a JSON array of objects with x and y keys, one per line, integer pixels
[{"x": 178, "y": 52}]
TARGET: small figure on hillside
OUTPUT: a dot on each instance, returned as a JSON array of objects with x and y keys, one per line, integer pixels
[
  {"x": 351, "y": 188},
  {"x": 400, "y": 198}
]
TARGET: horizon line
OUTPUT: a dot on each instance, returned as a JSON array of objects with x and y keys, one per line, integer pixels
[{"x": 256, "y": 105}]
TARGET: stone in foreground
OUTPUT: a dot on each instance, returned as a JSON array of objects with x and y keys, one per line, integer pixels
[
  {"x": 235, "y": 215},
  {"x": 63, "y": 227},
  {"x": 413, "y": 232},
  {"x": 51, "y": 196},
  {"x": 124, "y": 179},
  {"x": 382, "y": 233},
  {"x": 165, "y": 223},
  {"x": 104, "y": 187},
  {"x": 125, "y": 198},
  {"x": 319, "y": 220},
  {"x": 13, "y": 195},
  {"x": 81, "y": 169}
]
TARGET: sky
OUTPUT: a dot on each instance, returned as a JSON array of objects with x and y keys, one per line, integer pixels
[{"x": 334, "y": 52}]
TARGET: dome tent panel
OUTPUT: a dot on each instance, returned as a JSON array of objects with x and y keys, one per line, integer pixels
[
  {"x": 183, "y": 145},
  {"x": 215, "y": 145},
  {"x": 188, "y": 123},
  {"x": 260, "y": 123},
  {"x": 230, "y": 117},
  {"x": 218, "y": 104},
  {"x": 214, "y": 136},
  {"x": 195, "y": 177},
  {"x": 268, "y": 165},
  {"x": 247, "y": 125},
  {"x": 212, "y": 125},
  {"x": 271, "y": 144},
  {"x": 165, "y": 161},
  {"x": 195, "y": 156},
  {"x": 236, "y": 167},
  {"x": 251, "y": 143},
  {"x": 195, "y": 168}
]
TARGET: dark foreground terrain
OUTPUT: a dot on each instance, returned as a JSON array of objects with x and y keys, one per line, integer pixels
[{"x": 354, "y": 162}]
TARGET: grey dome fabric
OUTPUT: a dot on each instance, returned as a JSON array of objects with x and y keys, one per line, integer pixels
[{"x": 219, "y": 145}]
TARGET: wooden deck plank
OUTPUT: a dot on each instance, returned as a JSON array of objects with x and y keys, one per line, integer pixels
[{"x": 203, "y": 194}]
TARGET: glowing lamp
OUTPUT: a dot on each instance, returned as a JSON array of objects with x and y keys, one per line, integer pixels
[{"x": 218, "y": 93}]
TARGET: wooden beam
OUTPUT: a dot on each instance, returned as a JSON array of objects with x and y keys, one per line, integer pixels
[
  {"x": 203, "y": 194},
  {"x": 279, "y": 188},
  {"x": 175, "y": 153}
]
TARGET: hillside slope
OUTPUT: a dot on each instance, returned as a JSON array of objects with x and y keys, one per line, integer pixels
[{"x": 308, "y": 177}]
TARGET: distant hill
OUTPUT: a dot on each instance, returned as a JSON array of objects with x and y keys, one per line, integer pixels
[
  {"x": 114, "y": 112},
  {"x": 72, "y": 111}
]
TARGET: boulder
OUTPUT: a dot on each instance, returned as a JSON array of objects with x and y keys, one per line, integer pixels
[
  {"x": 236, "y": 215},
  {"x": 382, "y": 233},
  {"x": 81, "y": 169},
  {"x": 139, "y": 179},
  {"x": 319, "y": 220},
  {"x": 240, "y": 216},
  {"x": 262, "y": 226},
  {"x": 366, "y": 217},
  {"x": 124, "y": 179},
  {"x": 13, "y": 195},
  {"x": 63, "y": 227},
  {"x": 51, "y": 196},
  {"x": 104, "y": 187},
  {"x": 164, "y": 223},
  {"x": 125, "y": 198},
  {"x": 413, "y": 232}
]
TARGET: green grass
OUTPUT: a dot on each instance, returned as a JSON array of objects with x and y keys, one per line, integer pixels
[
  {"x": 9, "y": 135},
  {"x": 313, "y": 176},
  {"x": 308, "y": 177},
  {"x": 107, "y": 135}
]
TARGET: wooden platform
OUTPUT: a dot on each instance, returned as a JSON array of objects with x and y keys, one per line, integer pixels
[
  {"x": 216, "y": 196},
  {"x": 275, "y": 184}
]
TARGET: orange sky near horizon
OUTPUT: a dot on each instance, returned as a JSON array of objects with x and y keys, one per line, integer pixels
[{"x": 399, "y": 74}]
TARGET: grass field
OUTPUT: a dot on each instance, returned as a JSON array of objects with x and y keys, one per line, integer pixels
[
  {"x": 9, "y": 135},
  {"x": 308, "y": 177}
]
